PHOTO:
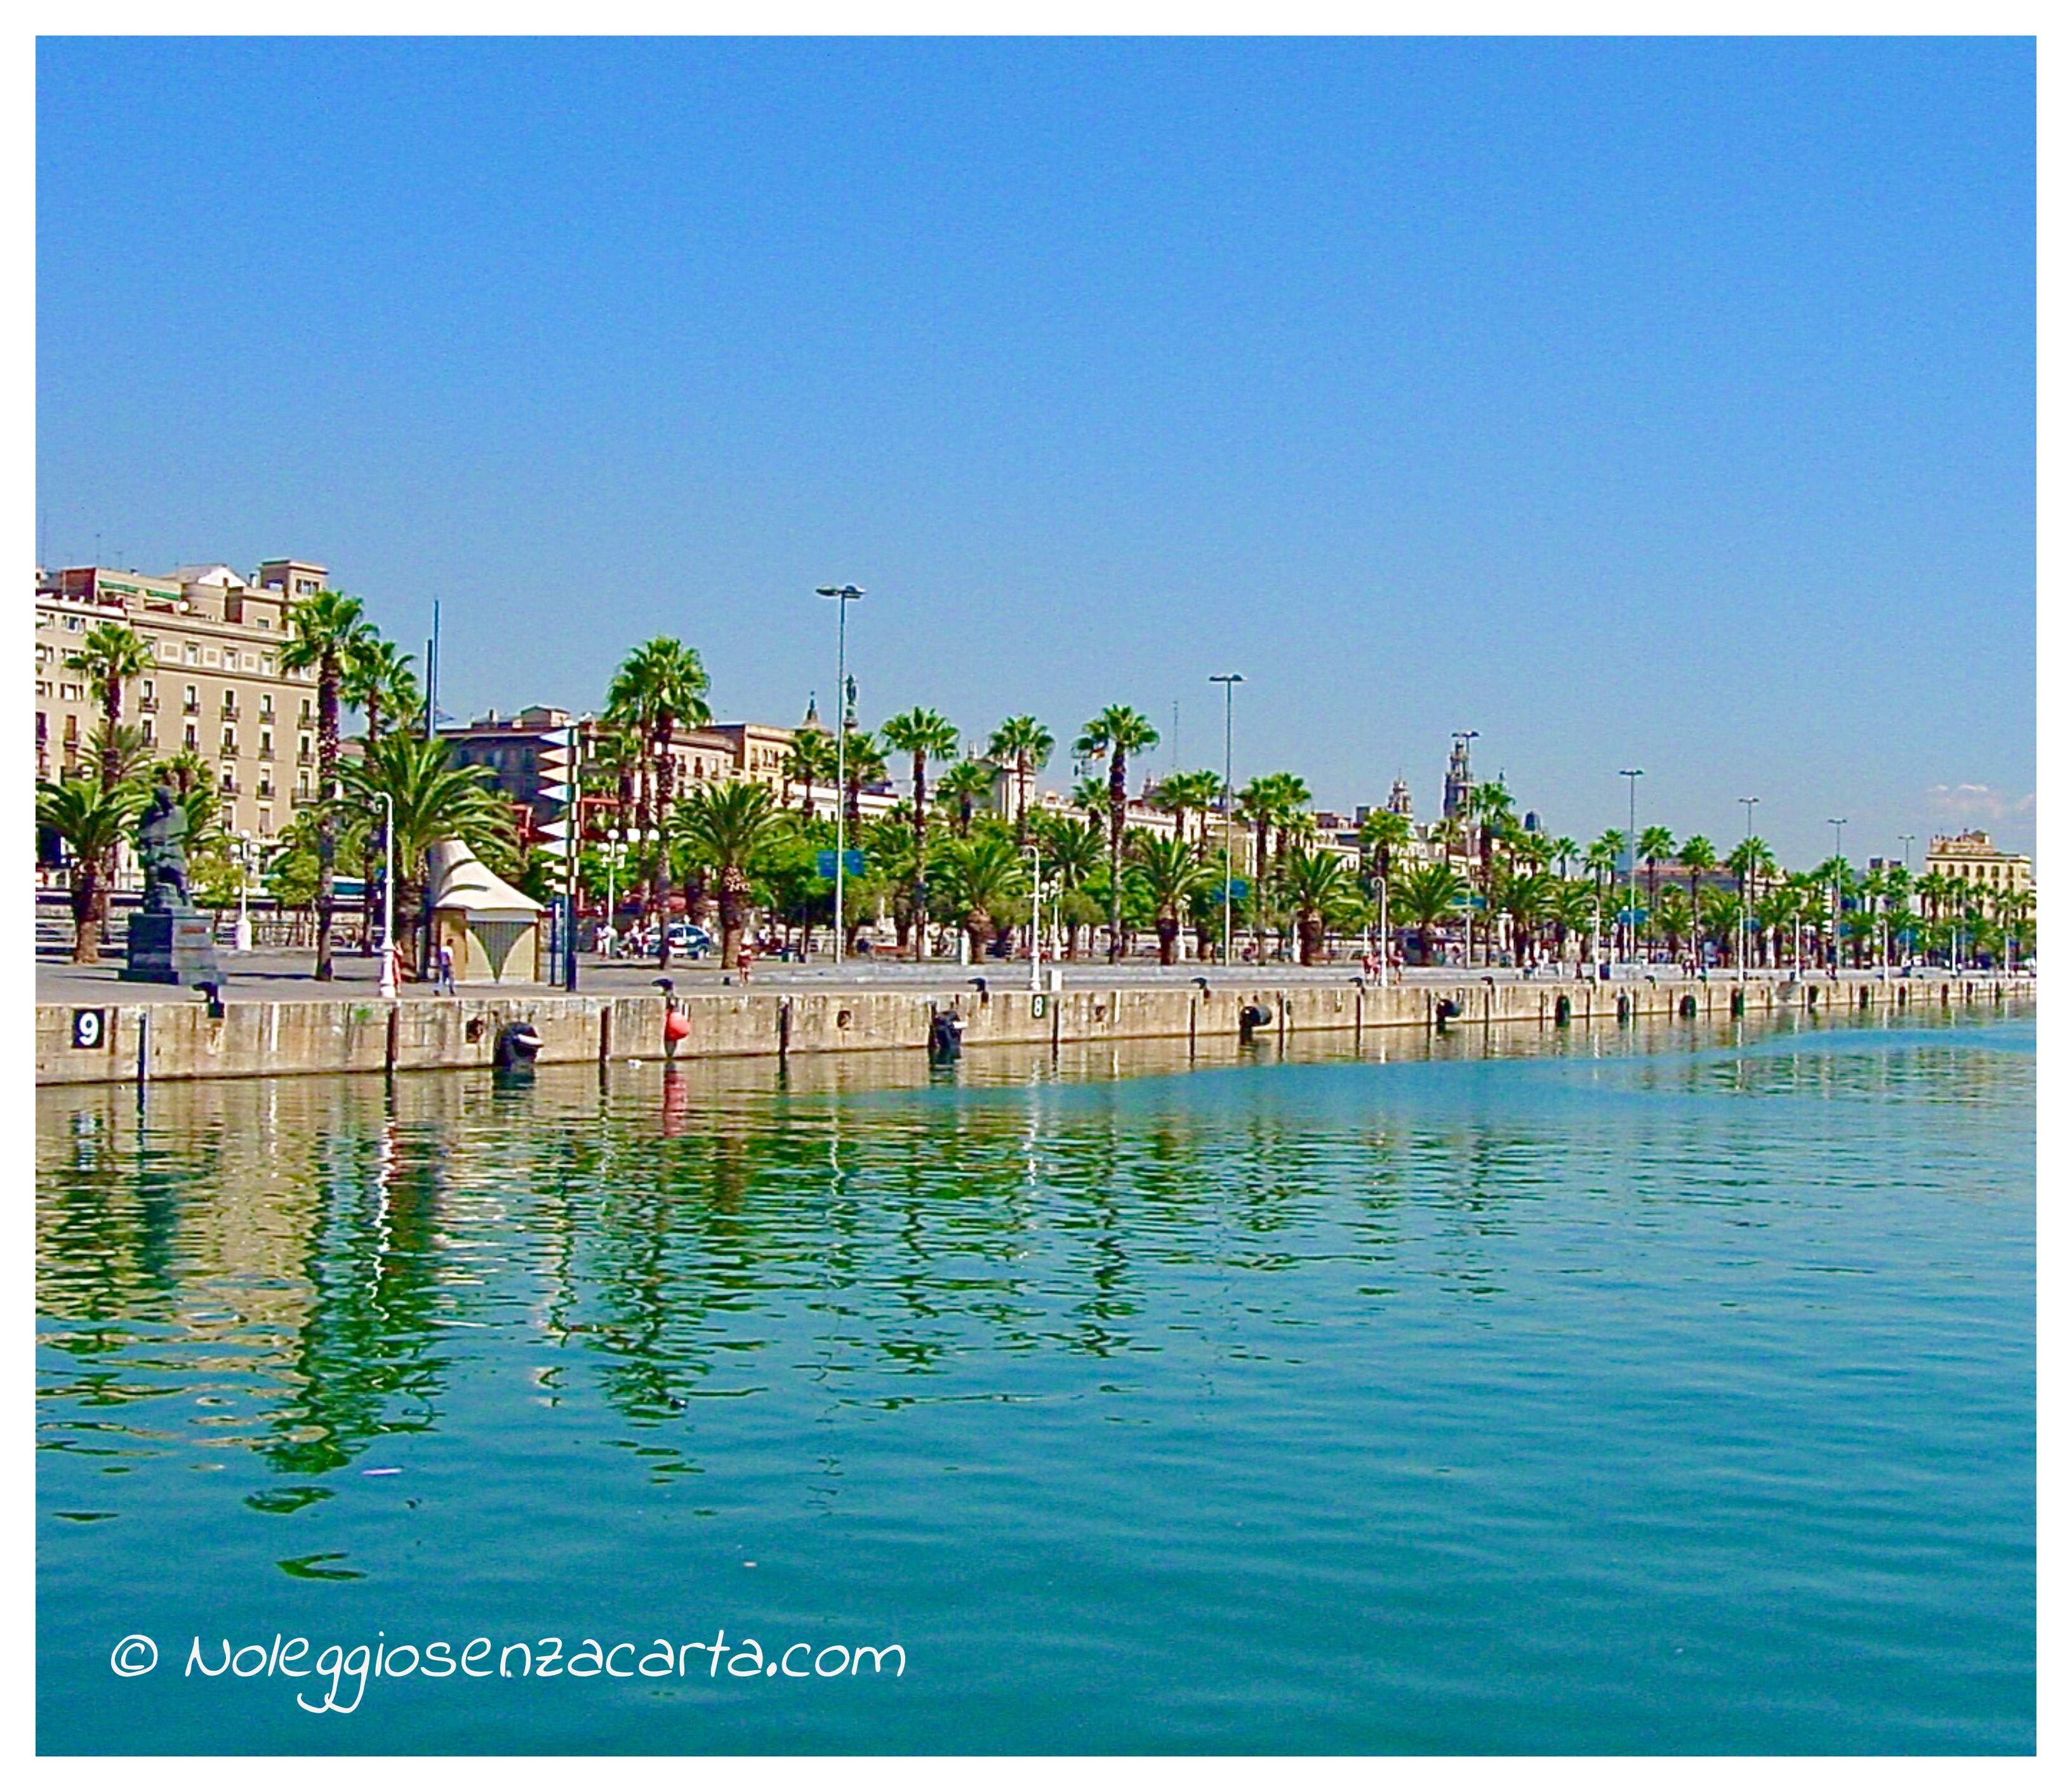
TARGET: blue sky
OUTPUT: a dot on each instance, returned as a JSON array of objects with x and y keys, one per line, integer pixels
[{"x": 1659, "y": 403}]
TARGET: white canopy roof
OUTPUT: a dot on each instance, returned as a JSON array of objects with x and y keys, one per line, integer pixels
[{"x": 461, "y": 881}]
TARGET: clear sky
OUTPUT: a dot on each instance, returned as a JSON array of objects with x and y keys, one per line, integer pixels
[{"x": 1658, "y": 404}]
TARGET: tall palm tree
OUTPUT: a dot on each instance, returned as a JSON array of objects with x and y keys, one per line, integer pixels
[
  {"x": 92, "y": 820},
  {"x": 660, "y": 686},
  {"x": 1654, "y": 845},
  {"x": 925, "y": 735},
  {"x": 1072, "y": 855},
  {"x": 376, "y": 680},
  {"x": 863, "y": 763},
  {"x": 1260, "y": 804},
  {"x": 111, "y": 655},
  {"x": 1384, "y": 833},
  {"x": 1559, "y": 851},
  {"x": 723, "y": 827},
  {"x": 1023, "y": 744},
  {"x": 326, "y": 631},
  {"x": 961, "y": 789},
  {"x": 1181, "y": 794},
  {"x": 980, "y": 878},
  {"x": 1318, "y": 885},
  {"x": 1114, "y": 735},
  {"x": 1429, "y": 894},
  {"x": 434, "y": 798},
  {"x": 1698, "y": 857},
  {"x": 1171, "y": 874},
  {"x": 1573, "y": 912},
  {"x": 1528, "y": 899},
  {"x": 808, "y": 762}
]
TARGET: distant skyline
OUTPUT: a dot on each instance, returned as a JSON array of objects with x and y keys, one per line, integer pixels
[{"x": 1666, "y": 403}]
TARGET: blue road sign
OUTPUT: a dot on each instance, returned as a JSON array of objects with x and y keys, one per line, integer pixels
[{"x": 852, "y": 864}]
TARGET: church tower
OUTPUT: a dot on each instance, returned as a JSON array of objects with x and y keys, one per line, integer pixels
[{"x": 1460, "y": 780}]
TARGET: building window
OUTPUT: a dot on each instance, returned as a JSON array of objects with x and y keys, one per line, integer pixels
[
  {"x": 266, "y": 786},
  {"x": 230, "y": 744},
  {"x": 148, "y": 697},
  {"x": 266, "y": 709},
  {"x": 266, "y": 751},
  {"x": 74, "y": 624},
  {"x": 193, "y": 738},
  {"x": 191, "y": 702},
  {"x": 306, "y": 722},
  {"x": 302, "y": 751},
  {"x": 152, "y": 739},
  {"x": 230, "y": 703},
  {"x": 190, "y": 653}
]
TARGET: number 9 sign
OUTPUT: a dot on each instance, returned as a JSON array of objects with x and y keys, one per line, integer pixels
[{"x": 90, "y": 1028}]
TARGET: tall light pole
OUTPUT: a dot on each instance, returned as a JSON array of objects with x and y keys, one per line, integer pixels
[
  {"x": 1461, "y": 737},
  {"x": 1036, "y": 917},
  {"x": 1747, "y": 876},
  {"x": 1838, "y": 825},
  {"x": 241, "y": 940},
  {"x": 1632, "y": 928},
  {"x": 1229, "y": 681},
  {"x": 1906, "y": 862},
  {"x": 844, "y": 596},
  {"x": 388, "y": 990}
]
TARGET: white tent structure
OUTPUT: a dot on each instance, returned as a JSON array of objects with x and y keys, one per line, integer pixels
[{"x": 497, "y": 933}]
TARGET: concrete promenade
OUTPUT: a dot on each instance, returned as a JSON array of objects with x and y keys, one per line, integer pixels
[{"x": 277, "y": 1021}]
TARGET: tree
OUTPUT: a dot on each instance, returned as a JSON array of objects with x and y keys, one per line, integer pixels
[
  {"x": 1528, "y": 899},
  {"x": 376, "y": 679},
  {"x": 1171, "y": 875},
  {"x": 660, "y": 685},
  {"x": 925, "y": 735},
  {"x": 1317, "y": 883},
  {"x": 111, "y": 655},
  {"x": 809, "y": 761},
  {"x": 1698, "y": 857},
  {"x": 1181, "y": 794},
  {"x": 863, "y": 763},
  {"x": 724, "y": 828},
  {"x": 980, "y": 877},
  {"x": 1573, "y": 912},
  {"x": 1654, "y": 845},
  {"x": 91, "y": 820},
  {"x": 434, "y": 800},
  {"x": 1023, "y": 744},
  {"x": 1114, "y": 735},
  {"x": 964, "y": 786},
  {"x": 1427, "y": 895},
  {"x": 325, "y": 632},
  {"x": 1072, "y": 855},
  {"x": 1384, "y": 833}
]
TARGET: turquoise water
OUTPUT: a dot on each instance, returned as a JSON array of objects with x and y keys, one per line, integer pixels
[{"x": 1666, "y": 1393}]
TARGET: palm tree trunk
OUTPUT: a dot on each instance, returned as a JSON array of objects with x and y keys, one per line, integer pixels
[
  {"x": 920, "y": 855},
  {"x": 1118, "y": 797},
  {"x": 665, "y": 791},
  {"x": 90, "y": 900}
]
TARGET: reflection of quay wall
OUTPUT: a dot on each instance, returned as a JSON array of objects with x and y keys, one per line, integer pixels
[{"x": 307, "y": 1037}]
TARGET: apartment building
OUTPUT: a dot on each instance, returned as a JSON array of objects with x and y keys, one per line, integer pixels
[
  {"x": 216, "y": 688},
  {"x": 1972, "y": 856}
]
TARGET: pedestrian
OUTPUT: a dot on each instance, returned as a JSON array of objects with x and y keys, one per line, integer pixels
[
  {"x": 446, "y": 983},
  {"x": 745, "y": 961}
]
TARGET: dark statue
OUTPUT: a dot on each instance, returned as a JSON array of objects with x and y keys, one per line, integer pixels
[
  {"x": 169, "y": 941},
  {"x": 162, "y": 847}
]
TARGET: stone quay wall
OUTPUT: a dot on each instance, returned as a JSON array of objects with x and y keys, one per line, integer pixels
[{"x": 165, "y": 1041}]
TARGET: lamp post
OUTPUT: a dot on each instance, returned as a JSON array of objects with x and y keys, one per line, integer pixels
[
  {"x": 1036, "y": 917},
  {"x": 388, "y": 990},
  {"x": 1748, "y": 876},
  {"x": 1906, "y": 862},
  {"x": 844, "y": 596},
  {"x": 1229, "y": 681},
  {"x": 241, "y": 940},
  {"x": 1838, "y": 825},
  {"x": 1632, "y": 926}
]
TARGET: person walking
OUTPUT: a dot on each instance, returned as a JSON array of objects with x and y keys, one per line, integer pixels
[{"x": 446, "y": 983}]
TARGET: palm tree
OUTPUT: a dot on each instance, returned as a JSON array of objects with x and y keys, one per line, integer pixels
[
  {"x": 863, "y": 763},
  {"x": 1573, "y": 912},
  {"x": 1259, "y": 807},
  {"x": 1317, "y": 886},
  {"x": 1181, "y": 794},
  {"x": 660, "y": 684},
  {"x": 1698, "y": 857},
  {"x": 1654, "y": 845},
  {"x": 92, "y": 820},
  {"x": 1528, "y": 898},
  {"x": 808, "y": 762},
  {"x": 1384, "y": 833},
  {"x": 125, "y": 751},
  {"x": 980, "y": 878},
  {"x": 1072, "y": 854},
  {"x": 1427, "y": 895},
  {"x": 376, "y": 680},
  {"x": 962, "y": 788},
  {"x": 1560, "y": 850},
  {"x": 1171, "y": 875},
  {"x": 724, "y": 827},
  {"x": 1114, "y": 735},
  {"x": 326, "y": 631},
  {"x": 926, "y": 736},
  {"x": 111, "y": 655},
  {"x": 1023, "y": 744},
  {"x": 1674, "y": 916},
  {"x": 434, "y": 800}
]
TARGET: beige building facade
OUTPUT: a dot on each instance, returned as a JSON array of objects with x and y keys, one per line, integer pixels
[
  {"x": 1972, "y": 856},
  {"x": 215, "y": 686}
]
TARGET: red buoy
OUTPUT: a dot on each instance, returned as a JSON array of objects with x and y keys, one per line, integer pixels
[{"x": 675, "y": 1025}]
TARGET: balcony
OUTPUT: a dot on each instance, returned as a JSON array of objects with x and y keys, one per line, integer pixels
[
  {"x": 230, "y": 714},
  {"x": 148, "y": 704},
  {"x": 194, "y": 709}
]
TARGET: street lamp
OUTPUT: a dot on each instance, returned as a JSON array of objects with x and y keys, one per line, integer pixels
[
  {"x": 1461, "y": 737},
  {"x": 1748, "y": 875},
  {"x": 1229, "y": 681},
  {"x": 1632, "y": 925},
  {"x": 388, "y": 990},
  {"x": 1036, "y": 917},
  {"x": 844, "y": 596},
  {"x": 1838, "y": 825}
]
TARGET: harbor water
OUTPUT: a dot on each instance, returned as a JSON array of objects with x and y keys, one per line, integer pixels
[{"x": 1659, "y": 1390}]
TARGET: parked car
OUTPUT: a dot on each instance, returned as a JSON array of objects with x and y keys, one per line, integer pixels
[{"x": 689, "y": 938}]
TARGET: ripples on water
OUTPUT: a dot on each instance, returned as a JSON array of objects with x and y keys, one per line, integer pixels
[{"x": 1547, "y": 1394}]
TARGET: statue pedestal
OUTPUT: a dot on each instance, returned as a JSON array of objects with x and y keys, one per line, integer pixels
[{"x": 171, "y": 948}]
